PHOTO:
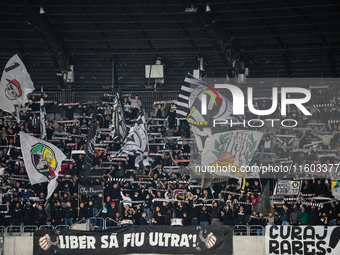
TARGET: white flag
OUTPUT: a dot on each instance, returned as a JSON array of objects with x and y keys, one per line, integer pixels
[
  {"x": 15, "y": 85},
  {"x": 42, "y": 161},
  {"x": 229, "y": 153}
]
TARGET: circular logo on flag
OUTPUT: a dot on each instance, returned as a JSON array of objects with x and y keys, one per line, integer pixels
[
  {"x": 13, "y": 89},
  {"x": 43, "y": 159}
]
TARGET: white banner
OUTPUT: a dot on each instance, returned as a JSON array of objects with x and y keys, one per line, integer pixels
[
  {"x": 287, "y": 188},
  {"x": 306, "y": 240}
]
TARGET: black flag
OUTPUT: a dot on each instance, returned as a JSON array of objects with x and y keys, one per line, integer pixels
[
  {"x": 263, "y": 205},
  {"x": 90, "y": 145}
]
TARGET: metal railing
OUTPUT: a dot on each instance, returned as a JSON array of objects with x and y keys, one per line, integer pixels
[
  {"x": 148, "y": 97},
  {"x": 241, "y": 230},
  {"x": 245, "y": 230},
  {"x": 256, "y": 230},
  {"x": 95, "y": 223},
  {"x": 2, "y": 231},
  {"x": 45, "y": 227},
  {"x": 111, "y": 223},
  {"x": 16, "y": 230},
  {"x": 79, "y": 225},
  {"x": 62, "y": 227},
  {"x": 29, "y": 228}
]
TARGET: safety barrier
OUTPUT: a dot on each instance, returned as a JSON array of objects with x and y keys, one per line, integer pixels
[
  {"x": 241, "y": 230},
  {"x": 149, "y": 97},
  {"x": 80, "y": 225},
  {"x": 13, "y": 230},
  {"x": 62, "y": 227},
  {"x": 256, "y": 230},
  {"x": 111, "y": 223},
  {"x": 107, "y": 223},
  {"x": 95, "y": 223},
  {"x": 2, "y": 231},
  {"x": 29, "y": 229},
  {"x": 44, "y": 227}
]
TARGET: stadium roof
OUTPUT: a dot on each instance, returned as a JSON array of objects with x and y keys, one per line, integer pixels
[{"x": 109, "y": 42}]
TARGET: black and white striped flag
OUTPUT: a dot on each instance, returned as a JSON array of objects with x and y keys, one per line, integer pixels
[{"x": 137, "y": 143}]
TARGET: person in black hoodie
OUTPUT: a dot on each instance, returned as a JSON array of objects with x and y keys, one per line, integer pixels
[
  {"x": 333, "y": 215},
  {"x": 111, "y": 213},
  {"x": 82, "y": 212},
  {"x": 40, "y": 216},
  {"x": 17, "y": 214},
  {"x": 159, "y": 219},
  {"x": 204, "y": 216},
  {"x": 57, "y": 214},
  {"x": 241, "y": 216},
  {"x": 307, "y": 187},
  {"x": 186, "y": 219},
  {"x": 168, "y": 218},
  {"x": 227, "y": 215},
  {"x": 28, "y": 213},
  {"x": 69, "y": 214},
  {"x": 215, "y": 214},
  {"x": 320, "y": 188},
  {"x": 194, "y": 215},
  {"x": 143, "y": 219},
  {"x": 261, "y": 221},
  {"x": 313, "y": 216}
]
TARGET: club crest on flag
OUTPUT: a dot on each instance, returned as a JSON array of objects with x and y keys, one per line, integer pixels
[
  {"x": 231, "y": 151},
  {"x": 44, "y": 161},
  {"x": 15, "y": 86},
  {"x": 13, "y": 89}
]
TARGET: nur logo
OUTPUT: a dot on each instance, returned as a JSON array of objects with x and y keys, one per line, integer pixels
[{"x": 204, "y": 98}]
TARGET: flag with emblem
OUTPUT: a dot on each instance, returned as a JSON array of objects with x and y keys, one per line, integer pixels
[
  {"x": 189, "y": 104},
  {"x": 118, "y": 127},
  {"x": 229, "y": 153},
  {"x": 137, "y": 142},
  {"x": 90, "y": 146},
  {"x": 42, "y": 161},
  {"x": 189, "y": 107},
  {"x": 15, "y": 85}
]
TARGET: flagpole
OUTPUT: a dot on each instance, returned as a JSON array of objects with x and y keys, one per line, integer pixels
[{"x": 78, "y": 199}]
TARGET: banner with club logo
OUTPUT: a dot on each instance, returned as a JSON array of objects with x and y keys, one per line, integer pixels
[{"x": 136, "y": 239}]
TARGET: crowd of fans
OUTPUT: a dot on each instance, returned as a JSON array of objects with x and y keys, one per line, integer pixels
[{"x": 158, "y": 194}]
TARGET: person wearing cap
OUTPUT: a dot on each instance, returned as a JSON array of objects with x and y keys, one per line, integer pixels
[{"x": 111, "y": 213}]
